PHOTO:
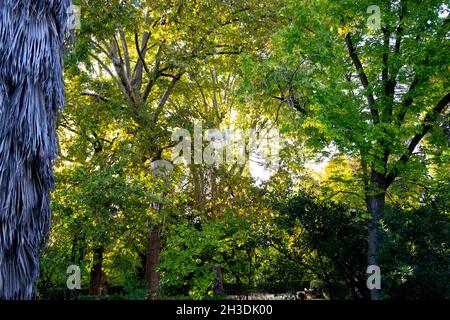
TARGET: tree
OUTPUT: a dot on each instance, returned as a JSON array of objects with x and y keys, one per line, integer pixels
[
  {"x": 146, "y": 50},
  {"x": 32, "y": 35},
  {"x": 325, "y": 239},
  {"x": 217, "y": 194},
  {"x": 414, "y": 251},
  {"x": 374, "y": 93}
]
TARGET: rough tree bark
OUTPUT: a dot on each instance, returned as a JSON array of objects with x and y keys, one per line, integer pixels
[
  {"x": 32, "y": 35},
  {"x": 152, "y": 276}
]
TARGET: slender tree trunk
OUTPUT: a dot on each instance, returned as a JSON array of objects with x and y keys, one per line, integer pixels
[
  {"x": 218, "y": 282},
  {"x": 153, "y": 259},
  {"x": 218, "y": 289},
  {"x": 375, "y": 200},
  {"x": 98, "y": 281},
  {"x": 250, "y": 265}
]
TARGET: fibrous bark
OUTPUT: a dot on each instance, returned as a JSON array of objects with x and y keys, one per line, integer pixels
[{"x": 32, "y": 34}]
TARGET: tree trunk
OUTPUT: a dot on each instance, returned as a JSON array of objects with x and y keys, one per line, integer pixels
[
  {"x": 152, "y": 262},
  {"x": 98, "y": 281},
  {"x": 218, "y": 282},
  {"x": 375, "y": 201}
]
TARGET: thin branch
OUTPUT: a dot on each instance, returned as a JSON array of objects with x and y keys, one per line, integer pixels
[
  {"x": 347, "y": 192},
  {"x": 125, "y": 51},
  {"x": 363, "y": 77},
  {"x": 104, "y": 66},
  {"x": 140, "y": 54},
  {"x": 407, "y": 102},
  {"x": 165, "y": 97},
  {"x": 95, "y": 95}
]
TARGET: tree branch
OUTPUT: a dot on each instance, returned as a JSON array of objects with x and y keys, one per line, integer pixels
[
  {"x": 125, "y": 51},
  {"x": 95, "y": 95},
  {"x": 165, "y": 97},
  {"x": 363, "y": 77},
  {"x": 407, "y": 102},
  {"x": 140, "y": 54},
  {"x": 427, "y": 124}
]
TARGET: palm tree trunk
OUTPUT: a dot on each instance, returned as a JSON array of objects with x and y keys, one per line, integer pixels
[{"x": 32, "y": 37}]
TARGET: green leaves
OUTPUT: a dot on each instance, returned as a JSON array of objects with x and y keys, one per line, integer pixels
[
  {"x": 248, "y": 65},
  {"x": 192, "y": 251},
  {"x": 415, "y": 251},
  {"x": 324, "y": 238}
]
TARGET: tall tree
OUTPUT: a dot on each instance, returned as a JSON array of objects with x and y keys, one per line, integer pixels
[
  {"x": 147, "y": 49},
  {"x": 32, "y": 35},
  {"x": 374, "y": 91}
]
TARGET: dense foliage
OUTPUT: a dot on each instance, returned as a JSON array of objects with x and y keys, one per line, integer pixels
[{"x": 362, "y": 117}]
